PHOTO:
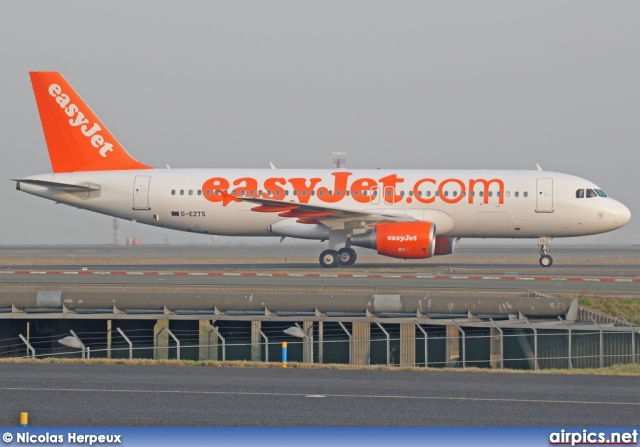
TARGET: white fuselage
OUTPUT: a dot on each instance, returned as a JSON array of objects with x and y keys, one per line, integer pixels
[{"x": 462, "y": 203}]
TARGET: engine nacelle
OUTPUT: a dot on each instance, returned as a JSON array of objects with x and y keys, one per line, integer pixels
[
  {"x": 444, "y": 246},
  {"x": 405, "y": 240}
]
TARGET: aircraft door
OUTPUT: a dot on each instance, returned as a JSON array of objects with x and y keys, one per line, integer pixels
[
  {"x": 544, "y": 195},
  {"x": 141, "y": 192}
]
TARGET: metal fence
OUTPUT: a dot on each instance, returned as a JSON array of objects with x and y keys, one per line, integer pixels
[{"x": 339, "y": 344}]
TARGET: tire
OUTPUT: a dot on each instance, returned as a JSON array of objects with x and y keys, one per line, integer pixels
[
  {"x": 329, "y": 259},
  {"x": 347, "y": 256},
  {"x": 546, "y": 261}
]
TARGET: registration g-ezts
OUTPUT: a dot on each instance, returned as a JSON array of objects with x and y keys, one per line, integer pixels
[{"x": 356, "y": 208}]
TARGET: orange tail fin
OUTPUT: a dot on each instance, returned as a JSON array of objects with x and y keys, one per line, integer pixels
[{"x": 76, "y": 139}]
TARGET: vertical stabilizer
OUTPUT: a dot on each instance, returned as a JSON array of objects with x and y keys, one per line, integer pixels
[{"x": 77, "y": 140}]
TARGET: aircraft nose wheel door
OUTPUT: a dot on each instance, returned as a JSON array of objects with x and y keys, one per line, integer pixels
[{"x": 141, "y": 192}]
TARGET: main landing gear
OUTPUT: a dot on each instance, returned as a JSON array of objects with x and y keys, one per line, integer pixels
[
  {"x": 333, "y": 258},
  {"x": 543, "y": 244}
]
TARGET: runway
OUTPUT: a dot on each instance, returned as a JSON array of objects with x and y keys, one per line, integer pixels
[
  {"x": 123, "y": 395},
  {"x": 606, "y": 270},
  {"x": 600, "y": 286}
]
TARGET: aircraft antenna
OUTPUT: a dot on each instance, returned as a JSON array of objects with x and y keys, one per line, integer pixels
[{"x": 339, "y": 160}]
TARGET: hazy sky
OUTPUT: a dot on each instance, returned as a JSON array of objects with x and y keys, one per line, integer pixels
[{"x": 396, "y": 84}]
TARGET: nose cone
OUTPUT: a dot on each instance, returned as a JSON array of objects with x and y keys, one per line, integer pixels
[{"x": 619, "y": 214}]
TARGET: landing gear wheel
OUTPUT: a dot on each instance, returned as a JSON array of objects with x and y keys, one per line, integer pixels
[
  {"x": 543, "y": 245},
  {"x": 347, "y": 256},
  {"x": 329, "y": 258},
  {"x": 546, "y": 261}
]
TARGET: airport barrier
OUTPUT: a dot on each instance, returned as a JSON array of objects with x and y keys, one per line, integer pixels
[{"x": 354, "y": 343}]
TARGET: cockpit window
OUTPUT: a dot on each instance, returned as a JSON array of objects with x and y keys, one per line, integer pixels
[
  {"x": 580, "y": 194},
  {"x": 591, "y": 193},
  {"x": 600, "y": 193}
]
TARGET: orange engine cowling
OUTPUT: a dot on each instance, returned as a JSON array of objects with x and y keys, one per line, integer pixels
[
  {"x": 406, "y": 240},
  {"x": 444, "y": 246}
]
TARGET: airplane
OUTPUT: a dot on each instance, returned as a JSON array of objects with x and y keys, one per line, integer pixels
[{"x": 406, "y": 214}]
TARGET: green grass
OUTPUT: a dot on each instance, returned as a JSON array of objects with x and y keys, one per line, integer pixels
[
  {"x": 615, "y": 370},
  {"x": 628, "y": 308}
]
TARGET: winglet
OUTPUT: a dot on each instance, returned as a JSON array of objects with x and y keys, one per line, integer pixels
[{"x": 77, "y": 140}]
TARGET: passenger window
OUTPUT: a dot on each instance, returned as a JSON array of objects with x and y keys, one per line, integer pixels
[
  {"x": 199, "y": 192},
  {"x": 490, "y": 193},
  {"x": 286, "y": 193},
  {"x": 355, "y": 193},
  {"x": 277, "y": 193},
  {"x": 339, "y": 193},
  {"x": 233, "y": 193},
  {"x": 182, "y": 192},
  {"x": 517, "y": 194},
  {"x": 419, "y": 193},
  {"x": 446, "y": 193},
  {"x": 410, "y": 193},
  {"x": 525, "y": 194},
  {"x": 481, "y": 193},
  {"x": 507, "y": 194},
  {"x": 295, "y": 192},
  {"x": 251, "y": 193},
  {"x": 321, "y": 193},
  {"x": 428, "y": 193},
  {"x": 173, "y": 192},
  {"x": 364, "y": 193},
  {"x": 580, "y": 194},
  {"x": 455, "y": 193}
]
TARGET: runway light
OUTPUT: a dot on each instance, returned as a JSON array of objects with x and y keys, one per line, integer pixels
[{"x": 295, "y": 332}]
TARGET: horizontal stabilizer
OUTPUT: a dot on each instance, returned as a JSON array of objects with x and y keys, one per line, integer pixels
[{"x": 65, "y": 187}]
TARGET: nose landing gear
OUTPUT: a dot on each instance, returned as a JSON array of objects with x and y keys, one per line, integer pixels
[{"x": 543, "y": 244}]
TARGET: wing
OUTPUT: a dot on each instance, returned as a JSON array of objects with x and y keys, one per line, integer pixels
[{"x": 333, "y": 217}]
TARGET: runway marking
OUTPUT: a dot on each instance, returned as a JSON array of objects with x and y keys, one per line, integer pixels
[
  {"x": 349, "y": 396},
  {"x": 327, "y": 275}
]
